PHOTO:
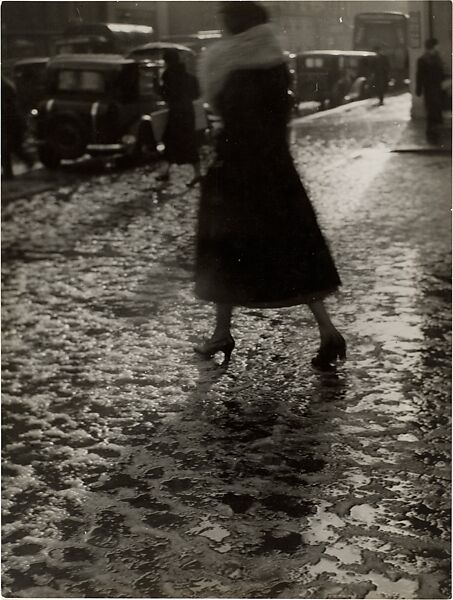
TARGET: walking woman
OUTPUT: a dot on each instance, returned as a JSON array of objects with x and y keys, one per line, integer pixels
[
  {"x": 179, "y": 89},
  {"x": 258, "y": 241}
]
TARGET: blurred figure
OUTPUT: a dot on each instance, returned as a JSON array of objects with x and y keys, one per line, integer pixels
[
  {"x": 179, "y": 89},
  {"x": 381, "y": 70},
  {"x": 429, "y": 78},
  {"x": 13, "y": 130},
  {"x": 258, "y": 240}
]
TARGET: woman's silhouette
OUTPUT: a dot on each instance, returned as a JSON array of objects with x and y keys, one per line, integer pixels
[{"x": 258, "y": 240}]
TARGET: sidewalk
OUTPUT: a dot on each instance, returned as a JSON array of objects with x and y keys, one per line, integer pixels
[
  {"x": 414, "y": 138},
  {"x": 134, "y": 469}
]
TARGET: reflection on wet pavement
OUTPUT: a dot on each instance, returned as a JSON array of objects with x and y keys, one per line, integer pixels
[{"x": 134, "y": 469}]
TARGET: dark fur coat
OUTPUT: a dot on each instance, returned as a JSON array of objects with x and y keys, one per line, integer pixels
[{"x": 258, "y": 240}]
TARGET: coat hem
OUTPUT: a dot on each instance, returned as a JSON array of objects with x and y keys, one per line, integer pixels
[{"x": 283, "y": 303}]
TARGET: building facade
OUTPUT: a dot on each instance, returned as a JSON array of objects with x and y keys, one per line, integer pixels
[
  {"x": 28, "y": 27},
  {"x": 323, "y": 25}
]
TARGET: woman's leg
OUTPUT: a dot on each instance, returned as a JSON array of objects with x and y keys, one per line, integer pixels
[
  {"x": 326, "y": 327},
  {"x": 333, "y": 345},
  {"x": 164, "y": 173},
  {"x": 222, "y": 329},
  {"x": 196, "y": 174},
  {"x": 221, "y": 340}
]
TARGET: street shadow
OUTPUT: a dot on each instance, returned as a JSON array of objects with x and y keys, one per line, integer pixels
[
  {"x": 257, "y": 432},
  {"x": 415, "y": 139}
]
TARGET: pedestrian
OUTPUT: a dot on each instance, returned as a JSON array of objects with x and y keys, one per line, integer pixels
[
  {"x": 13, "y": 130},
  {"x": 429, "y": 77},
  {"x": 381, "y": 70},
  {"x": 258, "y": 240},
  {"x": 179, "y": 89}
]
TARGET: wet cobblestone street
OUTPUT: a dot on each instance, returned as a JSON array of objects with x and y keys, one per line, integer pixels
[{"x": 133, "y": 469}]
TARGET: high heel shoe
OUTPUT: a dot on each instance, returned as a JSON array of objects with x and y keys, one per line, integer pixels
[
  {"x": 329, "y": 352},
  {"x": 194, "y": 181},
  {"x": 212, "y": 346},
  {"x": 163, "y": 177}
]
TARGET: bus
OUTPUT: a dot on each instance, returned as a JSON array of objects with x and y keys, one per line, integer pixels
[
  {"x": 389, "y": 32},
  {"x": 102, "y": 38}
]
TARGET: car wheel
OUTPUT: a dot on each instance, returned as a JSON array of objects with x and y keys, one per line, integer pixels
[
  {"x": 67, "y": 137},
  {"x": 48, "y": 157}
]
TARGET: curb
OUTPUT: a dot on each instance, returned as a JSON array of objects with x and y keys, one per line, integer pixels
[
  {"x": 332, "y": 111},
  {"x": 422, "y": 150},
  {"x": 14, "y": 194}
]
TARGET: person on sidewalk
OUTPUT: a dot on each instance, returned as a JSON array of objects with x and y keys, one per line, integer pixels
[
  {"x": 381, "y": 70},
  {"x": 258, "y": 239},
  {"x": 179, "y": 89},
  {"x": 13, "y": 129},
  {"x": 429, "y": 77}
]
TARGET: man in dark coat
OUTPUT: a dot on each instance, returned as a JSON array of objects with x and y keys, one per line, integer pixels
[
  {"x": 13, "y": 128},
  {"x": 380, "y": 74},
  {"x": 179, "y": 89},
  {"x": 430, "y": 75}
]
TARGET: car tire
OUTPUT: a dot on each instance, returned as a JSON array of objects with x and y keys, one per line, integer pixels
[
  {"x": 48, "y": 157},
  {"x": 67, "y": 136}
]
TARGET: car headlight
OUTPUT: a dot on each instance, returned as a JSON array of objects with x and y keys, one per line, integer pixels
[{"x": 128, "y": 140}]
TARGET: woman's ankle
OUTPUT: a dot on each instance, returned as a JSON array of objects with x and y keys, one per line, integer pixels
[
  {"x": 221, "y": 334},
  {"x": 328, "y": 332}
]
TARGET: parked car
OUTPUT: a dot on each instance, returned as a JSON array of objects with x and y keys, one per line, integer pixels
[
  {"x": 100, "y": 105},
  {"x": 29, "y": 76},
  {"x": 154, "y": 52},
  {"x": 332, "y": 77}
]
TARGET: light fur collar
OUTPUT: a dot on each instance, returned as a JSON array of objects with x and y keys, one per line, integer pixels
[{"x": 255, "y": 48}]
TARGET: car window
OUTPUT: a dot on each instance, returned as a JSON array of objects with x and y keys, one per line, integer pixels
[
  {"x": 150, "y": 80},
  {"x": 90, "y": 81},
  {"x": 81, "y": 81},
  {"x": 314, "y": 62},
  {"x": 352, "y": 62}
]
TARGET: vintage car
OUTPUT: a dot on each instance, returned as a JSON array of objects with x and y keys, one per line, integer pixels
[
  {"x": 154, "y": 52},
  {"x": 332, "y": 77},
  {"x": 102, "y": 104}
]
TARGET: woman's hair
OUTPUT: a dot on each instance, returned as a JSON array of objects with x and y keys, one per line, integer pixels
[{"x": 240, "y": 15}]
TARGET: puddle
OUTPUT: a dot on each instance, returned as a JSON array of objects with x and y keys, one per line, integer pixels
[
  {"x": 284, "y": 542},
  {"x": 292, "y": 506},
  {"x": 239, "y": 503}
]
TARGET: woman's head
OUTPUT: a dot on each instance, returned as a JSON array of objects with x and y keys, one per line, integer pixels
[{"x": 240, "y": 15}]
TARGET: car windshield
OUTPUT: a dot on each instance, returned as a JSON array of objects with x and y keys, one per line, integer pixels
[
  {"x": 150, "y": 79},
  {"x": 80, "y": 81}
]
